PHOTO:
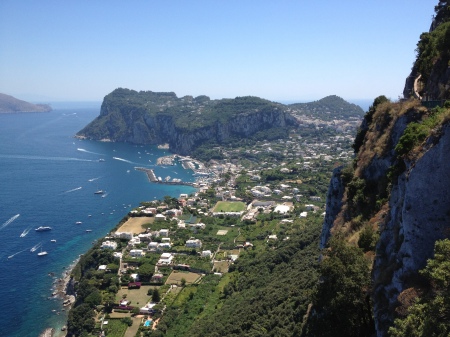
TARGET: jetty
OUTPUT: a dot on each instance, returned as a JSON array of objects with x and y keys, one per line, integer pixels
[{"x": 152, "y": 178}]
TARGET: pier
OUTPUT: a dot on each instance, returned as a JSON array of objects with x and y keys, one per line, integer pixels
[{"x": 152, "y": 178}]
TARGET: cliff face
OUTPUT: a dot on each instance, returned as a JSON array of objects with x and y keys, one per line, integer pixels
[
  {"x": 183, "y": 123},
  {"x": 413, "y": 215}
]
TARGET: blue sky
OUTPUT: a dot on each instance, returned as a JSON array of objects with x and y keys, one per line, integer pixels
[{"x": 279, "y": 50}]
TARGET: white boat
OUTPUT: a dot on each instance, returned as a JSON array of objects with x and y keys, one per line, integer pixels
[
  {"x": 99, "y": 192},
  {"x": 88, "y": 230},
  {"x": 42, "y": 253},
  {"x": 101, "y": 160},
  {"x": 52, "y": 240},
  {"x": 43, "y": 229}
]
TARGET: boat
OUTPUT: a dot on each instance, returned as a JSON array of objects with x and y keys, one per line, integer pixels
[
  {"x": 78, "y": 223},
  {"x": 43, "y": 229},
  {"x": 42, "y": 253},
  {"x": 88, "y": 230},
  {"x": 99, "y": 192},
  {"x": 52, "y": 240},
  {"x": 101, "y": 159}
]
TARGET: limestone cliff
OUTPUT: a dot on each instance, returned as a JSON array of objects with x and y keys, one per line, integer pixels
[
  {"x": 399, "y": 180},
  {"x": 184, "y": 123}
]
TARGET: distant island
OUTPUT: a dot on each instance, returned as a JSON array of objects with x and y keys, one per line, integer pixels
[
  {"x": 197, "y": 124},
  {"x": 10, "y": 104}
]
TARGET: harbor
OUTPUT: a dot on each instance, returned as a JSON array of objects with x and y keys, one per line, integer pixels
[{"x": 152, "y": 178}]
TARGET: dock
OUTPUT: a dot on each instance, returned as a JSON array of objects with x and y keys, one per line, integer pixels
[{"x": 152, "y": 178}]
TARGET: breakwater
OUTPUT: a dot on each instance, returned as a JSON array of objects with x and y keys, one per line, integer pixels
[{"x": 152, "y": 178}]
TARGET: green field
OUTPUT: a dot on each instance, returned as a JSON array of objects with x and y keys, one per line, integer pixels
[{"x": 229, "y": 206}]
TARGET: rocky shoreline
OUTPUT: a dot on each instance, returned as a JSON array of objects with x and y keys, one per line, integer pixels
[{"x": 47, "y": 332}]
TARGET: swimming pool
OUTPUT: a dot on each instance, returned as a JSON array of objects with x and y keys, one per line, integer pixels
[{"x": 148, "y": 322}]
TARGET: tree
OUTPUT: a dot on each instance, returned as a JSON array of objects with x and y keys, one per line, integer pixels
[
  {"x": 146, "y": 272},
  {"x": 341, "y": 303},
  {"x": 156, "y": 296}
]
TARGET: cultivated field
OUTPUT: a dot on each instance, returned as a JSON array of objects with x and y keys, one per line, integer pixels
[
  {"x": 229, "y": 206},
  {"x": 176, "y": 276},
  {"x": 138, "y": 297},
  {"x": 134, "y": 225}
]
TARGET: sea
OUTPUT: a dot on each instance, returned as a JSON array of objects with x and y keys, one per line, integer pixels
[{"x": 49, "y": 178}]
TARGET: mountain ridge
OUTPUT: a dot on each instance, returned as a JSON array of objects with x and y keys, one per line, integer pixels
[
  {"x": 10, "y": 104},
  {"x": 186, "y": 123}
]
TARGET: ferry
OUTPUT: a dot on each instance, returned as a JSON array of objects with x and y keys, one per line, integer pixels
[{"x": 43, "y": 229}]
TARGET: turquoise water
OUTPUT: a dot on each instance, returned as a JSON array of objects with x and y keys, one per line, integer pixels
[
  {"x": 48, "y": 178},
  {"x": 148, "y": 322}
]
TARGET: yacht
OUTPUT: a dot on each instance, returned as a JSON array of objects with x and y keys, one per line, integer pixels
[
  {"x": 42, "y": 253},
  {"x": 99, "y": 192},
  {"x": 43, "y": 229}
]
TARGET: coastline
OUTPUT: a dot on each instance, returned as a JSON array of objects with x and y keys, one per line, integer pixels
[{"x": 61, "y": 291}]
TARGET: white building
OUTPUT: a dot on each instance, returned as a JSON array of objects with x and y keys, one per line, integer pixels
[
  {"x": 164, "y": 232},
  {"x": 166, "y": 258},
  {"x": 137, "y": 253},
  {"x": 109, "y": 245},
  {"x": 193, "y": 243}
]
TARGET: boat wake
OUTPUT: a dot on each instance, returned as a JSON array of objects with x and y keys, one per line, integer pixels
[
  {"x": 6, "y": 223},
  {"x": 18, "y": 156},
  {"x": 126, "y": 161},
  {"x": 73, "y": 190},
  {"x": 94, "y": 179},
  {"x": 11, "y": 256},
  {"x": 25, "y": 232},
  {"x": 104, "y": 195},
  {"x": 86, "y": 151},
  {"x": 35, "y": 247}
]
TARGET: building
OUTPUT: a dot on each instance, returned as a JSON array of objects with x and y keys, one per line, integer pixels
[
  {"x": 109, "y": 245},
  {"x": 137, "y": 253},
  {"x": 193, "y": 243},
  {"x": 166, "y": 259}
]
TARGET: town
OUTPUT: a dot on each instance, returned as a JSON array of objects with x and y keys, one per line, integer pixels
[{"x": 254, "y": 197}]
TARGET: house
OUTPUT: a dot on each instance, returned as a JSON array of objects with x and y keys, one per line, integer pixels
[
  {"x": 102, "y": 267},
  {"x": 134, "y": 241},
  {"x": 109, "y": 245},
  {"x": 273, "y": 237},
  {"x": 164, "y": 232},
  {"x": 206, "y": 253},
  {"x": 135, "y": 277},
  {"x": 193, "y": 243},
  {"x": 153, "y": 245},
  {"x": 123, "y": 235},
  {"x": 165, "y": 259},
  {"x": 282, "y": 209},
  {"x": 147, "y": 309},
  {"x": 160, "y": 217},
  {"x": 303, "y": 214},
  {"x": 137, "y": 253},
  {"x": 164, "y": 245},
  {"x": 309, "y": 207}
]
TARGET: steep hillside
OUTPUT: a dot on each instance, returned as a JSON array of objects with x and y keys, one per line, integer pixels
[
  {"x": 9, "y": 104},
  {"x": 186, "y": 123},
  {"x": 393, "y": 201}
]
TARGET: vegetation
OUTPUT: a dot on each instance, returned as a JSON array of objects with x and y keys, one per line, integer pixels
[{"x": 430, "y": 314}]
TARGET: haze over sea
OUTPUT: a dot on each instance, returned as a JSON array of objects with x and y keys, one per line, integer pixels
[{"x": 48, "y": 178}]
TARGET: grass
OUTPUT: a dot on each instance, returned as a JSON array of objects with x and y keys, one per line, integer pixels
[
  {"x": 135, "y": 295},
  {"x": 176, "y": 276},
  {"x": 115, "y": 328},
  {"x": 135, "y": 225},
  {"x": 229, "y": 206}
]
